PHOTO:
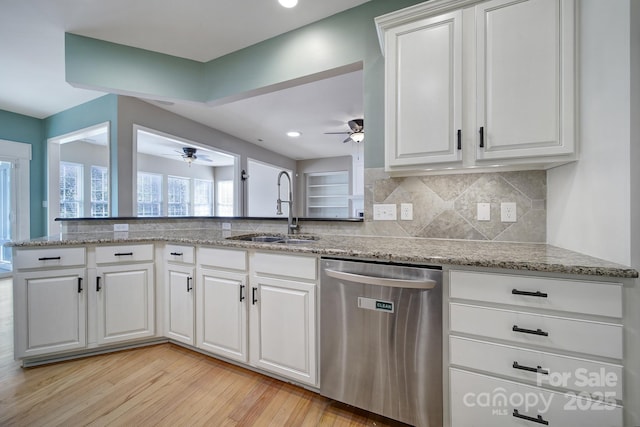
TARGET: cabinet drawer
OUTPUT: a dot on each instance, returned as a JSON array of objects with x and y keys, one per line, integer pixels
[
  {"x": 285, "y": 265},
  {"x": 124, "y": 253},
  {"x": 223, "y": 258},
  {"x": 583, "y": 336},
  {"x": 49, "y": 257},
  {"x": 598, "y": 298},
  {"x": 179, "y": 253},
  {"x": 561, "y": 371},
  {"x": 480, "y": 400}
]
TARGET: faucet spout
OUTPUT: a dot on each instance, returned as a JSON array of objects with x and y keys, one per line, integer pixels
[{"x": 291, "y": 225}]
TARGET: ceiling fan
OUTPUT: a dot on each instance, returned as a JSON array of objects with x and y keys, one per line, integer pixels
[
  {"x": 188, "y": 154},
  {"x": 357, "y": 131}
]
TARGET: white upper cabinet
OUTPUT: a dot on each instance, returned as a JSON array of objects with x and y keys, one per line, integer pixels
[
  {"x": 525, "y": 75},
  {"x": 473, "y": 84},
  {"x": 423, "y": 91}
]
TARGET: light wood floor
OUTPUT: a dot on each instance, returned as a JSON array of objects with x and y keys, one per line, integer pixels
[{"x": 160, "y": 385}]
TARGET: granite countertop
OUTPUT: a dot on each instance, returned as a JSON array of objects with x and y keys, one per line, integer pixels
[{"x": 517, "y": 256}]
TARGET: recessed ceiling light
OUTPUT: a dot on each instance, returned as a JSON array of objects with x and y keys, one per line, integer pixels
[
  {"x": 288, "y": 3},
  {"x": 293, "y": 134}
]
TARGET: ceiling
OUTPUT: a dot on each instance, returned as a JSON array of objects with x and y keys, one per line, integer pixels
[{"x": 32, "y": 76}]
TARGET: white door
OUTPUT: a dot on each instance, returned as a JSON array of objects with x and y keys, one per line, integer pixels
[
  {"x": 423, "y": 113},
  {"x": 525, "y": 79},
  {"x": 50, "y": 312},
  {"x": 221, "y": 319},
  {"x": 125, "y": 299},
  {"x": 283, "y": 337},
  {"x": 14, "y": 198},
  {"x": 180, "y": 312}
]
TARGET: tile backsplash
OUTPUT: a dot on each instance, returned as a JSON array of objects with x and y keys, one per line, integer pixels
[{"x": 445, "y": 206}]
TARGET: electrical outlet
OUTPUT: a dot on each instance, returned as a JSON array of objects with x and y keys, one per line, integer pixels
[
  {"x": 120, "y": 227},
  {"x": 484, "y": 212},
  {"x": 508, "y": 212},
  {"x": 385, "y": 212},
  {"x": 406, "y": 211}
]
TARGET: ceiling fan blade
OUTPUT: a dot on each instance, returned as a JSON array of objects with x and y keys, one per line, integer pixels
[
  {"x": 347, "y": 140},
  {"x": 337, "y": 133}
]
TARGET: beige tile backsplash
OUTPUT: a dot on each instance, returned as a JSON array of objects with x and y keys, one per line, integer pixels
[{"x": 445, "y": 206}]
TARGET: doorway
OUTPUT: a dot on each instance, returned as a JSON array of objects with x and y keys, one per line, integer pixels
[{"x": 14, "y": 198}]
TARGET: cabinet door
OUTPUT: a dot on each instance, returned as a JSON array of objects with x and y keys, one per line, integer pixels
[
  {"x": 125, "y": 300},
  {"x": 525, "y": 75},
  {"x": 180, "y": 299},
  {"x": 283, "y": 328},
  {"x": 221, "y": 319},
  {"x": 423, "y": 91},
  {"x": 50, "y": 312}
]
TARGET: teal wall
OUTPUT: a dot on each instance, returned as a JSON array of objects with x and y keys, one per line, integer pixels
[
  {"x": 335, "y": 42},
  {"x": 20, "y": 128},
  {"x": 100, "y": 110}
]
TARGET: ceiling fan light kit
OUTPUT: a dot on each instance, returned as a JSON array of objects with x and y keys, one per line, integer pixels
[{"x": 189, "y": 155}]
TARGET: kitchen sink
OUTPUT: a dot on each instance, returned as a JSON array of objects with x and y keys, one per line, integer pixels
[{"x": 275, "y": 238}]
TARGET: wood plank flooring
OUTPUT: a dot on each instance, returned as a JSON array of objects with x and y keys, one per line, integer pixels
[{"x": 163, "y": 385}]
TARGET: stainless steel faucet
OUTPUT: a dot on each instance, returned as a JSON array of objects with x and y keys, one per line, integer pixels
[{"x": 291, "y": 225}]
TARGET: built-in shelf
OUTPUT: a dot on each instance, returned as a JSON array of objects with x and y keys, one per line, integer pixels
[{"x": 328, "y": 194}]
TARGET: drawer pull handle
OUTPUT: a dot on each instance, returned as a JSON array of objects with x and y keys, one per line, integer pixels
[
  {"x": 459, "y": 134},
  {"x": 530, "y": 331},
  {"x": 529, "y": 293},
  {"x": 241, "y": 293},
  {"x": 98, "y": 287},
  {"x": 538, "y": 419},
  {"x": 123, "y": 254},
  {"x": 537, "y": 370},
  {"x": 254, "y": 300},
  {"x": 176, "y": 253},
  {"x": 49, "y": 258},
  {"x": 79, "y": 284},
  {"x": 189, "y": 287},
  {"x": 481, "y": 136}
]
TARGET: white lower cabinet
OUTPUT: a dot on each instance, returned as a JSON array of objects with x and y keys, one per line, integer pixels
[
  {"x": 179, "y": 320},
  {"x": 481, "y": 400},
  {"x": 526, "y": 350},
  {"x": 283, "y": 315},
  {"x": 179, "y": 293},
  {"x": 222, "y": 313},
  {"x": 50, "y": 312},
  {"x": 283, "y": 327},
  {"x": 125, "y": 303},
  {"x": 267, "y": 321}
]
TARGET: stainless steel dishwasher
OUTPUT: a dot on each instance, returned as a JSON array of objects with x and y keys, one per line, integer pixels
[{"x": 381, "y": 339}]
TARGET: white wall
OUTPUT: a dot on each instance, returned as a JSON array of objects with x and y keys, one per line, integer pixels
[{"x": 589, "y": 201}]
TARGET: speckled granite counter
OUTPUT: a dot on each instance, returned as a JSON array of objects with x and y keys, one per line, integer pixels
[{"x": 518, "y": 256}]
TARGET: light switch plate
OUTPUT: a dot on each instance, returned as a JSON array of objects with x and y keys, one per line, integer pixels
[
  {"x": 508, "y": 212},
  {"x": 226, "y": 226},
  {"x": 385, "y": 212},
  {"x": 484, "y": 212}
]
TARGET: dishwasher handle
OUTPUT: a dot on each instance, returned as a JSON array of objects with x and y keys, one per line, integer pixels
[{"x": 382, "y": 281}]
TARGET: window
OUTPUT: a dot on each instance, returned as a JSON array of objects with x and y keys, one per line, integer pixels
[
  {"x": 178, "y": 196},
  {"x": 224, "y": 198},
  {"x": 70, "y": 190},
  {"x": 99, "y": 191},
  {"x": 149, "y": 194},
  {"x": 202, "y": 198}
]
